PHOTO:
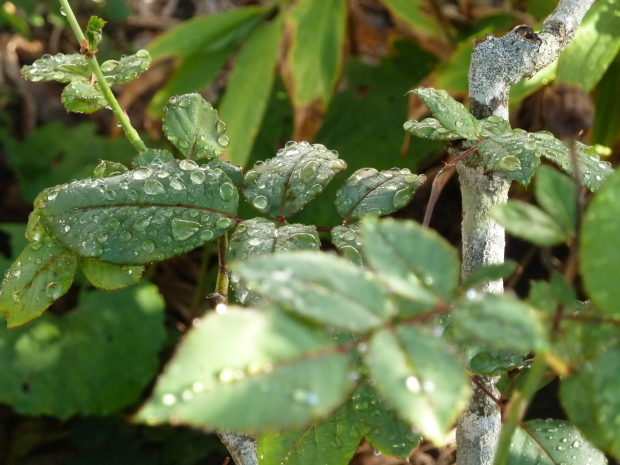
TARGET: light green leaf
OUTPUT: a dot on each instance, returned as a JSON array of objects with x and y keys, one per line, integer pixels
[
  {"x": 410, "y": 259},
  {"x": 192, "y": 125},
  {"x": 127, "y": 69},
  {"x": 599, "y": 251},
  {"x": 492, "y": 272},
  {"x": 596, "y": 43},
  {"x": 370, "y": 192},
  {"x": 500, "y": 320},
  {"x": 42, "y": 273},
  {"x": 82, "y": 96},
  {"x": 513, "y": 154},
  {"x": 107, "y": 169},
  {"x": 606, "y": 128},
  {"x": 529, "y": 222},
  {"x": 347, "y": 240},
  {"x": 420, "y": 377},
  {"x": 318, "y": 30},
  {"x": 412, "y": 13},
  {"x": 260, "y": 236},
  {"x": 248, "y": 88},
  {"x": 322, "y": 287},
  {"x": 430, "y": 128},
  {"x": 59, "y": 67},
  {"x": 332, "y": 441},
  {"x": 144, "y": 215},
  {"x": 250, "y": 370},
  {"x": 283, "y": 185},
  {"x": 451, "y": 114},
  {"x": 556, "y": 194},
  {"x": 591, "y": 400},
  {"x": 95, "y": 360},
  {"x": 109, "y": 276},
  {"x": 94, "y": 31}
]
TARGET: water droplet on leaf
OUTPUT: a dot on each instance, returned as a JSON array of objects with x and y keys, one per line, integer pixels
[{"x": 183, "y": 229}]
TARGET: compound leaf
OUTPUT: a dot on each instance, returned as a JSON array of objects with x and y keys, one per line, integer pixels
[
  {"x": 82, "y": 96},
  {"x": 127, "y": 69},
  {"x": 370, "y": 192},
  {"x": 59, "y": 67},
  {"x": 192, "y": 125},
  {"x": 283, "y": 185},
  {"x": 347, "y": 240},
  {"x": 513, "y": 154},
  {"x": 265, "y": 370},
  {"x": 322, "y": 287},
  {"x": 529, "y": 222},
  {"x": 42, "y": 273},
  {"x": 430, "y": 128},
  {"x": 109, "y": 276},
  {"x": 144, "y": 215}
]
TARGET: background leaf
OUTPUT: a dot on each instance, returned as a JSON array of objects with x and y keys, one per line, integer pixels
[
  {"x": 109, "y": 276},
  {"x": 555, "y": 192},
  {"x": 348, "y": 242},
  {"x": 606, "y": 128},
  {"x": 528, "y": 222}
]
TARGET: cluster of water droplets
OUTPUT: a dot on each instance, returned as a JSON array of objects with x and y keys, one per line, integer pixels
[
  {"x": 59, "y": 67},
  {"x": 348, "y": 242},
  {"x": 127, "y": 69},
  {"x": 430, "y": 128}
]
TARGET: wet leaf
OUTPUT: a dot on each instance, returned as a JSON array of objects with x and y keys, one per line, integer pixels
[
  {"x": 143, "y": 215},
  {"x": 192, "y": 125},
  {"x": 260, "y": 236},
  {"x": 492, "y": 272},
  {"x": 109, "y": 276},
  {"x": 420, "y": 376},
  {"x": 234, "y": 172},
  {"x": 430, "y": 128},
  {"x": 555, "y": 192},
  {"x": 264, "y": 370},
  {"x": 152, "y": 156},
  {"x": 126, "y": 69},
  {"x": 372, "y": 192},
  {"x": 95, "y": 360},
  {"x": 529, "y": 222},
  {"x": 514, "y": 154},
  {"x": 495, "y": 362},
  {"x": 314, "y": 285},
  {"x": 42, "y": 273},
  {"x": 283, "y": 185},
  {"x": 348, "y": 242},
  {"x": 82, "y": 96},
  {"x": 59, "y": 67},
  {"x": 494, "y": 126},
  {"x": 107, "y": 169}
]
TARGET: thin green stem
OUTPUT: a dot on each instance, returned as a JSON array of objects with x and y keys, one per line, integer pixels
[
  {"x": 516, "y": 410},
  {"x": 120, "y": 114}
]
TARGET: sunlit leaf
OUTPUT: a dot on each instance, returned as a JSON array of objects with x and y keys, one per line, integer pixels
[
  {"x": 513, "y": 154},
  {"x": 430, "y": 128},
  {"x": 126, "y": 69},
  {"x": 59, "y": 67},
  {"x": 528, "y": 222},
  {"x": 82, "y": 96},
  {"x": 555, "y": 192},
  {"x": 109, "y": 276}
]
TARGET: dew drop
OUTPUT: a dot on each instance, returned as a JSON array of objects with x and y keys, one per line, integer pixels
[
  {"x": 17, "y": 295},
  {"x": 125, "y": 236},
  {"x": 176, "y": 183},
  {"x": 260, "y": 202},
  {"x": 54, "y": 290},
  {"x": 224, "y": 223},
  {"x": 309, "y": 170},
  {"x": 141, "y": 173},
  {"x": 152, "y": 187},
  {"x": 206, "y": 236},
  {"x": 148, "y": 247},
  {"x": 110, "y": 195},
  {"x": 227, "y": 191},
  {"x": 142, "y": 223},
  {"x": 185, "y": 102},
  {"x": 223, "y": 141},
  {"x": 183, "y": 229},
  {"x": 114, "y": 223},
  {"x": 361, "y": 406},
  {"x": 510, "y": 163},
  {"x": 401, "y": 198},
  {"x": 197, "y": 177},
  {"x": 188, "y": 165},
  {"x": 36, "y": 245}
]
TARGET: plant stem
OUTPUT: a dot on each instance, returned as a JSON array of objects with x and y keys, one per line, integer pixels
[{"x": 120, "y": 114}]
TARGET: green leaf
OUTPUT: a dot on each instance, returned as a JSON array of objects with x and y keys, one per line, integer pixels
[
  {"x": 192, "y": 125},
  {"x": 495, "y": 362},
  {"x": 260, "y": 236},
  {"x": 451, "y": 114},
  {"x": 591, "y": 400},
  {"x": 127, "y": 69},
  {"x": 107, "y": 169},
  {"x": 599, "y": 251},
  {"x": 413, "y": 13},
  {"x": 593, "y": 170},
  {"x": 109, "y": 276},
  {"x": 143, "y": 215},
  {"x": 321, "y": 287},
  {"x": 420, "y": 376},
  {"x": 529, "y": 222},
  {"x": 555, "y": 192},
  {"x": 551, "y": 442},
  {"x": 500, "y": 320},
  {"x": 234, "y": 172},
  {"x": 250, "y": 370},
  {"x": 347, "y": 240},
  {"x": 370, "y": 192},
  {"x": 59, "y": 67},
  {"x": 513, "y": 154},
  {"x": 596, "y": 43},
  {"x": 606, "y": 128},
  {"x": 248, "y": 88},
  {"x": 41, "y": 274},
  {"x": 82, "y": 96},
  {"x": 430, "y": 128},
  {"x": 283, "y": 185},
  {"x": 332, "y": 441},
  {"x": 94, "y": 31},
  {"x": 318, "y": 30},
  {"x": 95, "y": 360},
  {"x": 152, "y": 157},
  {"x": 526, "y": 87},
  {"x": 494, "y": 126},
  {"x": 410, "y": 258},
  {"x": 493, "y": 272}
]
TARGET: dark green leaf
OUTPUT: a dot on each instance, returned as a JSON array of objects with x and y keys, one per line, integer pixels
[
  {"x": 109, "y": 276},
  {"x": 95, "y": 360},
  {"x": 606, "y": 128},
  {"x": 500, "y": 320},
  {"x": 370, "y": 192},
  {"x": 59, "y": 67},
  {"x": 234, "y": 172},
  {"x": 451, "y": 114},
  {"x": 495, "y": 362},
  {"x": 41, "y": 274},
  {"x": 283, "y": 185},
  {"x": 410, "y": 258},
  {"x": 193, "y": 126},
  {"x": 600, "y": 251},
  {"x": 82, "y": 96},
  {"x": 430, "y": 128},
  {"x": 143, "y": 215},
  {"x": 347, "y": 241},
  {"x": 127, "y": 69},
  {"x": 260, "y": 236},
  {"x": 332, "y": 441},
  {"x": 107, "y": 169},
  {"x": 250, "y": 370},
  {"x": 94, "y": 31},
  {"x": 590, "y": 398},
  {"x": 485, "y": 273},
  {"x": 420, "y": 377},
  {"x": 513, "y": 154},
  {"x": 555, "y": 192},
  {"x": 321, "y": 287},
  {"x": 494, "y": 126},
  {"x": 529, "y": 222},
  {"x": 152, "y": 156}
]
